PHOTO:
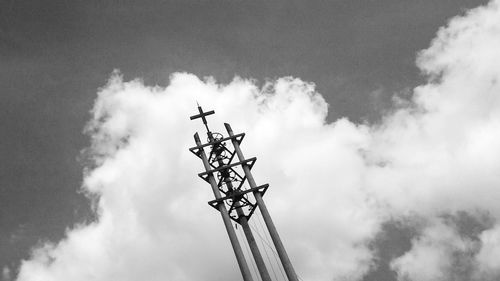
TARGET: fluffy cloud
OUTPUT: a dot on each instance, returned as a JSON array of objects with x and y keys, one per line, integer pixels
[
  {"x": 489, "y": 255},
  {"x": 439, "y": 253},
  {"x": 332, "y": 184},
  {"x": 154, "y": 223}
]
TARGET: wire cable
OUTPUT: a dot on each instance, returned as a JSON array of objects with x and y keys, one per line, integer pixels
[
  {"x": 246, "y": 251},
  {"x": 265, "y": 251},
  {"x": 267, "y": 239},
  {"x": 268, "y": 243}
]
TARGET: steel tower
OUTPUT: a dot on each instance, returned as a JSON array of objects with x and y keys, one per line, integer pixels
[{"x": 237, "y": 195}]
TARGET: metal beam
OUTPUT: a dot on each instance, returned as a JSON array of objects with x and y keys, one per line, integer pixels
[
  {"x": 225, "y": 167},
  {"x": 192, "y": 149}
]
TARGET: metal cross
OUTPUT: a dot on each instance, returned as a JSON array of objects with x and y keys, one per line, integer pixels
[{"x": 202, "y": 116}]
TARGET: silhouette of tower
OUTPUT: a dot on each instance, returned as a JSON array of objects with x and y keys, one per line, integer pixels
[{"x": 237, "y": 195}]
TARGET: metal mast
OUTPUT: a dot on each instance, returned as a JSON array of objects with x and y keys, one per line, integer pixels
[{"x": 233, "y": 186}]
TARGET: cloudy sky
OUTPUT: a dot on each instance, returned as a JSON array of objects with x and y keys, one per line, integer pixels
[{"x": 376, "y": 123}]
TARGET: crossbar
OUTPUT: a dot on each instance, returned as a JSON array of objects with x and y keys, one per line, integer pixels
[
  {"x": 253, "y": 159},
  {"x": 192, "y": 149}
]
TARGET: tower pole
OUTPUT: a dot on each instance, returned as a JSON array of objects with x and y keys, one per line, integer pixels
[
  {"x": 240, "y": 257},
  {"x": 243, "y": 221},
  {"x": 254, "y": 248},
  {"x": 285, "y": 260}
]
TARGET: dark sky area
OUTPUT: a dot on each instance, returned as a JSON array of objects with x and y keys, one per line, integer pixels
[{"x": 55, "y": 54}]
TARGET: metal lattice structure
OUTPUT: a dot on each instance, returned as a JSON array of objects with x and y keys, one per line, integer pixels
[
  {"x": 231, "y": 180},
  {"x": 237, "y": 196}
]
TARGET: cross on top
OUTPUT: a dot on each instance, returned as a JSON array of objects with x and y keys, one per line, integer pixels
[{"x": 202, "y": 116}]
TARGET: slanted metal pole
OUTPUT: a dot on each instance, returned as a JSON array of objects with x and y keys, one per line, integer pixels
[
  {"x": 257, "y": 256},
  {"x": 285, "y": 260},
  {"x": 240, "y": 257}
]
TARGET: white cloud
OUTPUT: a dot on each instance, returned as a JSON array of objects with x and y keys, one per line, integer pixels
[
  {"x": 154, "y": 223},
  {"x": 332, "y": 185},
  {"x": 489, "y": 255},
  {"x": 435, "y": 255}
]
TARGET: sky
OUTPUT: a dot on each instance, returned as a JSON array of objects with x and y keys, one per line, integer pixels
[{"x": 400, "y": 144}]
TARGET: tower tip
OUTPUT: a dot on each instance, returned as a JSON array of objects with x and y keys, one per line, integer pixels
[{"x": 196, "y": 137}]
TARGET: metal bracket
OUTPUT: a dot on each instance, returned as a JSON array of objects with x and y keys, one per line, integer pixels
[
  {"x": 196, "y": 149},
  {"x": 237, "y": 196},
  {"x": 250, "y": 161}
]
